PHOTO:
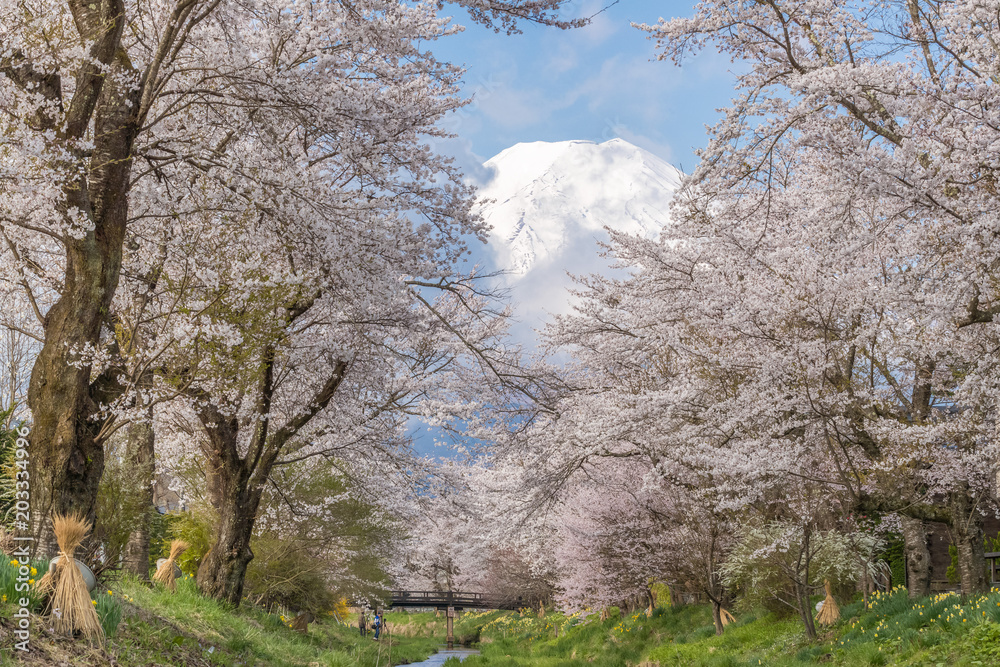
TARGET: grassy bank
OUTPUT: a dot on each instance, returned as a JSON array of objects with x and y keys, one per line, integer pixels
[
  {"x": 941, "y": 630},
  {"x": 150, "y": 626}
]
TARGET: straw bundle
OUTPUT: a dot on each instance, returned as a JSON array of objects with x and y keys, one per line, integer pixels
[
  {"x": 165, "y": 573},
  {"x": 830, "y": 613},
  {"x": 727, "y": 618},
  {"x": 72, "y": 608}
]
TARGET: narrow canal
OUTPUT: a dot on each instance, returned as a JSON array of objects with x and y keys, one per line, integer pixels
[{"x": 439, "y": 658}]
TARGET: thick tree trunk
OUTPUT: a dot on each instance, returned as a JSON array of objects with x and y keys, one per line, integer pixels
[
  {"x": 140, "y": 454},
  {"x": 717, "y": 617},
  {"x": 235, "y": 481},
  {"x": 918, "y": 557},
  {"x": 967, "y": 531},
  {"x": 67, "y": 460},
  {"x": 223, "y": 570}
]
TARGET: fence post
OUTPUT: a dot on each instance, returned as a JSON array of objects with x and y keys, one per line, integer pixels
[{"x": 451, "y": 627}]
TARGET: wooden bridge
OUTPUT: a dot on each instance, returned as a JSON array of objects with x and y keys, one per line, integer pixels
[{"x": 453, "y": 600}]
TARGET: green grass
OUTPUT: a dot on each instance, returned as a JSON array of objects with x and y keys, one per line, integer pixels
[
  {"x": 265, "y": 637},
  {"x": 149, "y": 625},
  {"x": 941, "y": 630}
]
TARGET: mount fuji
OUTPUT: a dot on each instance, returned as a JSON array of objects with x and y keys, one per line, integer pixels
[
  {"x": 545, "y": 196},
  {"x": 549, "y": 204}
]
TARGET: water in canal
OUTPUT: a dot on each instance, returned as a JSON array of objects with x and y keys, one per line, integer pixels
[{"x": 438, "y": 658}]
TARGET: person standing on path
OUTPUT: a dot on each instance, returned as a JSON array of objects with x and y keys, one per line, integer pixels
[{"x": 362, "y": 624}]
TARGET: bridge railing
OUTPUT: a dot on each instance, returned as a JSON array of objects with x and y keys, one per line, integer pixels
[{"x": 453, "y": 599}]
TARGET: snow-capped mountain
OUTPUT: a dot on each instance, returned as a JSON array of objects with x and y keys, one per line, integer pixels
[{"x": 553, "y": 200}]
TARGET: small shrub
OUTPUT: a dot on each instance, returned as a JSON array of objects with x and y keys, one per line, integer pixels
[
  {"x": 109, "y": 613},
  {"x": 122, "y": 506},
  {"x": 703, "y": 632},
  {"x": 283, "y": 573},
  {"x": 952, "y": 571},
  {"x": 869, "y": 654},
  {"x": 337, "y": 659},
  {"x": 196, "y": 527},
  {"x": 243, "y": 641}
]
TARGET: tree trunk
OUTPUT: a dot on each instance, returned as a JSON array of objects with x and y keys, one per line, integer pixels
[
  {"x": 967, "y": 531},
  {"x": 67, "y": 459},
  {"x": 223, "y": 570},
  {"x": 717, "y": 617},
  {"x": 918, "y": 557},
  {"x": 66, "y": 463},
  {"x": 140, "y": 454},
  {"x": 805, "y": 610},
  {"x": 236, "y": 481}
]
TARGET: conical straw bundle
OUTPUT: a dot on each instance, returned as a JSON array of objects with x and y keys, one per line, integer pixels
[
  {"x": 165, "y": 573},
  {"x": 72, "y": 608},
  {"x": 830, "y": 613},
  {"x": 727, "y": 618}
]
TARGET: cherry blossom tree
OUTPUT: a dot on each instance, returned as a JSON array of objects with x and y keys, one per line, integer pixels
[
  {"x": 336, "y": 374},
  {"x": 122, "y": 120},
  {"x": 848, "y": 195}
]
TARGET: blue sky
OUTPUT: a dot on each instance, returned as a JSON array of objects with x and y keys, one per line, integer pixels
[{"x": 594, "y": 83}]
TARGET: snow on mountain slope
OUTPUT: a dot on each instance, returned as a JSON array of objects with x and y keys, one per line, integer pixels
[{"x": 550, "y": 197}]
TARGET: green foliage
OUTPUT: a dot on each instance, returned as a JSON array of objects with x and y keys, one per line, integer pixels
[
  {"x": 9, "y": 584},
  {"x": 939, "y": 630},
  {"x": 992, "y": 543},
  {"x": 8, "y": 440},
  {"x": 186, "y": 628},
  {"x": 893, "y": 631},
  {"x": 122, "y": 504},
  {"x": 283, "y": 573},
  {"x": 768, "y": 559},
  {"x": 196, "y": 527},
  {"x": 661, "y": 594},
  {"x": 952, "y": 571},
  {"x": 894, "y": 556},
  {"x": 109, "y": 612},
  {"x": 159, "y": 534},
  {"x": 983, "y": 643},
  {"x": 306, "y": 559}
]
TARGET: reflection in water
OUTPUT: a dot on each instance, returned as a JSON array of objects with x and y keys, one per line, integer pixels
[{"x": 438, "y": 658}]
